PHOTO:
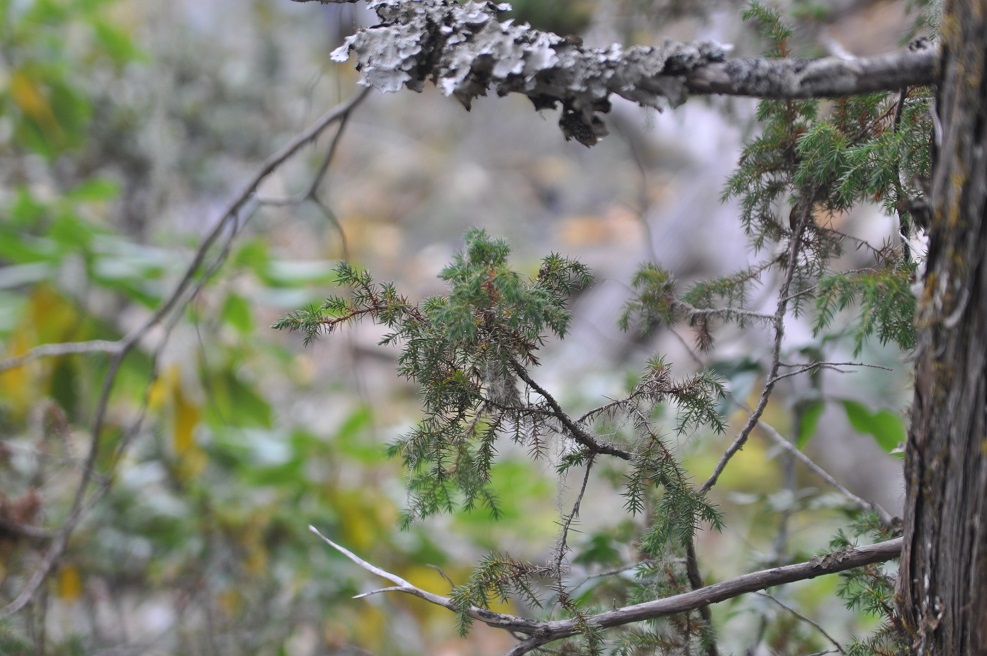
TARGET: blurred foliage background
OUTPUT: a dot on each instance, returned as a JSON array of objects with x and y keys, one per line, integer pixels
[{"x": 126, "y": 127}]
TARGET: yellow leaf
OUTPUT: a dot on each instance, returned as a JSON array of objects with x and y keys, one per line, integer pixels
[
  {"x": 252, "y": 542},
  {"x": 167, "y": 393},
  {"x": 187, "y": 416},
  {"x": 161, "y": 387},
  {"x": 49, "y": 317},
  {"x": 69, "y": 583},
  {"x": 191, "y": 459},
  {"x": 31, "y": 100},
  {"x": 365, "y": 518},
  {"x": 231, "y": 601},
  {"x": 54, "y": 317},
  {"x": 14, "y": 383}
]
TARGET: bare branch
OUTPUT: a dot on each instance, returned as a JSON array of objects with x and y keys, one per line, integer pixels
[
  {"x": 183, "y": 292},
  {"x": 799, "y": 455},
  {"x": 541, "y": 633},
  {"x": 55, "y": 350},
  {"x": 832, "y": 366},
  {"x": 805, "y": 619},
  {"x": 779, "y": 335},
  {"x": 563, "y": 545}
]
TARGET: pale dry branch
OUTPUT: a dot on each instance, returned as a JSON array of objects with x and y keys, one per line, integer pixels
[
  {"x": 832, "y": 366},
  {"x": 797, "y": 453},
  {"x": 543, "y": 632},
  {"x": 56, "y": 350}
]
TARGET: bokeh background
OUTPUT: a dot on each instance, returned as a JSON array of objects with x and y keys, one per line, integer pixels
[{"x": 126, "y": 126}]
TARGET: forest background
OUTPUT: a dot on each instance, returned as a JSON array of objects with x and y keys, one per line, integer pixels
[{"x": 128, "y": 129}]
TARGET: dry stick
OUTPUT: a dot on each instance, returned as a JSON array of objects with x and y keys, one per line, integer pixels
[
  {"x": 779, "y": 327},
  {"x": 805, "y": 619},
  {"x": 799, "y": 455},
  {"x": 834, "y": 366},
  {"x": 312, "y": 192},
  {"x": 563, "y": 547},
  {"x": 780, "y": 440},
  {"x": 121, "y": 348},
  {"x": 543, "y": 632},
  {"x": 55, "y": 350}
]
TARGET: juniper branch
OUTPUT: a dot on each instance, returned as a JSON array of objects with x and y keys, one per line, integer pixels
[{"x": 577, "y": 432}]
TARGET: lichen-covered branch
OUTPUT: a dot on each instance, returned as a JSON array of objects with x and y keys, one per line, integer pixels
[
  {"x": 468, "y": 52},
  {"x": 818, "y": 78}
]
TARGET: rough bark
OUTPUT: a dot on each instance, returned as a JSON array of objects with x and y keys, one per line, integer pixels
[
  {"x": 467, "y": 52},
  {"x": 943, "y": 575}
]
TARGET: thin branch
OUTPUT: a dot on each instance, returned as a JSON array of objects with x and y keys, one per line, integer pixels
[
  {"x": 56, "y": 350},
  {"x": 805, "y": 619},
  {"x": 563, "y": 546},
  {"x": 577, "y": 432},
  {"x": 805, "y": 215},
  {"x": 544, "y": 632},
  {"x": 833, "y": 366},
  {"x": 178, "y": 297},
  {"x": 797, "y": 453},
  {"x": 311, "y": 193},
  {"x": 692, "y": 312}
]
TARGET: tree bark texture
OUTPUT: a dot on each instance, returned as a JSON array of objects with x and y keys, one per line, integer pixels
[{"x": 943, "y": 572}]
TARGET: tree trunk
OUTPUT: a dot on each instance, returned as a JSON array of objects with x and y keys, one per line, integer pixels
[{"x": 943, "y": 575}]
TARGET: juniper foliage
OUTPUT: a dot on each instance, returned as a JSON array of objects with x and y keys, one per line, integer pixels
[{"x": 473, "y": 351}]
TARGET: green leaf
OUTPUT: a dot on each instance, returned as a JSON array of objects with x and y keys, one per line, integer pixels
[
  {"x": 116, "y": 43},
  {"x": 234, "y": 403},
  {"x": 253, "y": 255},
  {"x": 288, "y": 474},
  {"x": 808, "y": 422},
  {"x": 353, "y": 441},
  {"x": 236, "y": 312},
  {"x": 65, "y": 386},
  {"x": 886, "y": 427},
  {"x": 95, "y": 190},
  {"x": 600, "y": 549},
  {"x": 26, "y": 209}
]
